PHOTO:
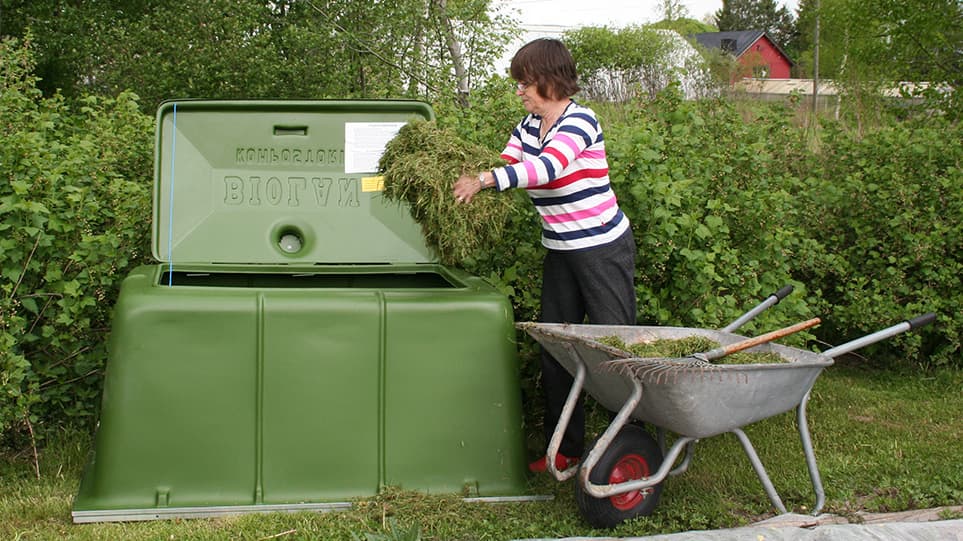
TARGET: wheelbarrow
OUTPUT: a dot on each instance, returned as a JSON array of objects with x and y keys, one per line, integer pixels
[{"x": 621, "y": 474}]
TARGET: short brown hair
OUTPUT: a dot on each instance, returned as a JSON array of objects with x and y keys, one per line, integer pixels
[{"x": 546, "y": 63}]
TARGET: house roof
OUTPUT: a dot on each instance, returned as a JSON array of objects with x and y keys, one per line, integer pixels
[{"x": 736, "y": 42}]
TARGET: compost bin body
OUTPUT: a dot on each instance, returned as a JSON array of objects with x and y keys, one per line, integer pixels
[{"x": 273, "y": 375}]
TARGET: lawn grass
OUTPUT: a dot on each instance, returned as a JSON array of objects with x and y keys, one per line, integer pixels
[{"x": 884, "y": 441}]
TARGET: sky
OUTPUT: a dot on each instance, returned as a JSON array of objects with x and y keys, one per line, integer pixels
[{"x": 612, "y": 13}]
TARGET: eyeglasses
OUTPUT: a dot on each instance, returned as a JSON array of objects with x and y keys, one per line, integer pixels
[{"x": 522, "y": 86}]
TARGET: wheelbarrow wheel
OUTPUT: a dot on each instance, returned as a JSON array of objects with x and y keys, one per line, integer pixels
[{"x": 633, "y": 454}]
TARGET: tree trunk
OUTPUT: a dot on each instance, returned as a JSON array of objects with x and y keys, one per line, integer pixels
[{"x": 454, "y": 48}]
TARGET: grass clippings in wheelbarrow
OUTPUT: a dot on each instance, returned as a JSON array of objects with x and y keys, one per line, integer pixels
[
  {"x": 420, "y": 166},
  {"x": 682, "y": 347}
]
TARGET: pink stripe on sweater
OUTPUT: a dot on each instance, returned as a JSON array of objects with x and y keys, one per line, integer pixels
[
  {"x": 581, "y": 214},
  {"x": 532, "y": 176},
  {"x": 568, "y": 141},
  {"x": 593, "y": 154}
]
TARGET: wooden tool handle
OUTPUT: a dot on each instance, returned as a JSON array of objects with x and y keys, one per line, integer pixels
[{"x": 769, "y": 336}]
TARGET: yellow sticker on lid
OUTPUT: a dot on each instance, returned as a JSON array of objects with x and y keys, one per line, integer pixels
[{"x": 373, "y": 184}]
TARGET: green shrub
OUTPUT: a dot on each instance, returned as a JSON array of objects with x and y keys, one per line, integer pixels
[
  {"x": 75, "y": 206},
  {"x": 709, "y": 197},
  {"x": 887, "y": 209},
  {"x": 488, "y": 121}
]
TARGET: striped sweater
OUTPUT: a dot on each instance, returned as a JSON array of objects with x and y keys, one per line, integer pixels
[{"x": 567, "y": 177}]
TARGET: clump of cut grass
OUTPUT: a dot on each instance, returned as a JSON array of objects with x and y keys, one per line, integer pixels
[
  {"x": 671, "y": 348},
  {"x": 420, "y": 166}
]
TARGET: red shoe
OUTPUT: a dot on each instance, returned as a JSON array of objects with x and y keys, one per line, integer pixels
[{"x": 562, "y": 463}]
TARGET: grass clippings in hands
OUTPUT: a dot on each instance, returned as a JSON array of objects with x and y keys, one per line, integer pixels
[{"x": 420, "y": 166}]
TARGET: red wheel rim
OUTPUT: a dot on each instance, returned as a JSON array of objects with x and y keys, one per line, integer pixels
[{"x": 628, "y": 468}]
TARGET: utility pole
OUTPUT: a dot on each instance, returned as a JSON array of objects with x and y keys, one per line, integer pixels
[{"x": 816, "y": 62}]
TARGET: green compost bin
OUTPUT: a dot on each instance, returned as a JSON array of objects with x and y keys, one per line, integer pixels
[{"x": 296, "y": 346}]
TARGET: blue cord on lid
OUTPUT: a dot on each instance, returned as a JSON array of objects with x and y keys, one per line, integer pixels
[{"x": 170, "y": 218}]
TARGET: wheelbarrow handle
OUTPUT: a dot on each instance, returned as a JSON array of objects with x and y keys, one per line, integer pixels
[
  {"x": 771, "y": 300},
  {"x": 920, "y": 321},
  {"x": 877, "y": 336},
  {"x": 761, "y": 339},
  {"x": 782, "y": 293}
]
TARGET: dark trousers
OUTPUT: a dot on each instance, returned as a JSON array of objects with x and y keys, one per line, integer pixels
[{"x": 598, "y": 283}]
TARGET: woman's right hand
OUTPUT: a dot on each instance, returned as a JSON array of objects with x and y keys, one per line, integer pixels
[{"x": 465, "y": 188}]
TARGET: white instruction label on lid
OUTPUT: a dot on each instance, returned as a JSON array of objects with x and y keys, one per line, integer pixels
[{"x": 364, "y": 143}]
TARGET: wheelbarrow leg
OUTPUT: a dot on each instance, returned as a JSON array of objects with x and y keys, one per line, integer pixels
[
  {"x": 807, "y": 445},
  {"x": 565, "y": 417},
  {"x": 606, "y": 439},
  {"x": 596, "y": 452},
  {"x": 689, "y": 452},
  {"x": 760, "y": 470}
]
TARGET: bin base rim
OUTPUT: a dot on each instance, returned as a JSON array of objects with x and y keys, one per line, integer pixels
[
  {"x": 132, "y": 515},
  {"x": 129, "y": 515}
]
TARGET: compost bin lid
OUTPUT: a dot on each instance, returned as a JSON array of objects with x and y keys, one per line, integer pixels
[{"x": 271, "y": 182}]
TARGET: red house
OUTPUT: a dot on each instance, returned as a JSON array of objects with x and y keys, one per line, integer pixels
[{"x": 757, "y": 53}]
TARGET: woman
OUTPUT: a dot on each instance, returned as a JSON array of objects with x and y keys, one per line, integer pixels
[{"x": 557, "y": 154}]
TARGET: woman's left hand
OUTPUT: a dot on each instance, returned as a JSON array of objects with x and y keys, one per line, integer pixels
[{"x": 465, "y": 188}]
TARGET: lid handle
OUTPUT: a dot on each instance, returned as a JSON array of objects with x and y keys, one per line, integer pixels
[{"x": 291, "y": 130}]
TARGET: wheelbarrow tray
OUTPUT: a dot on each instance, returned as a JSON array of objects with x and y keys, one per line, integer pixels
[{"x": 693, "y": 402}]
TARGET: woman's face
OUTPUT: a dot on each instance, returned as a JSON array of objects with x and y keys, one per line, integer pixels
[{"x": 531, "y": 100}]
